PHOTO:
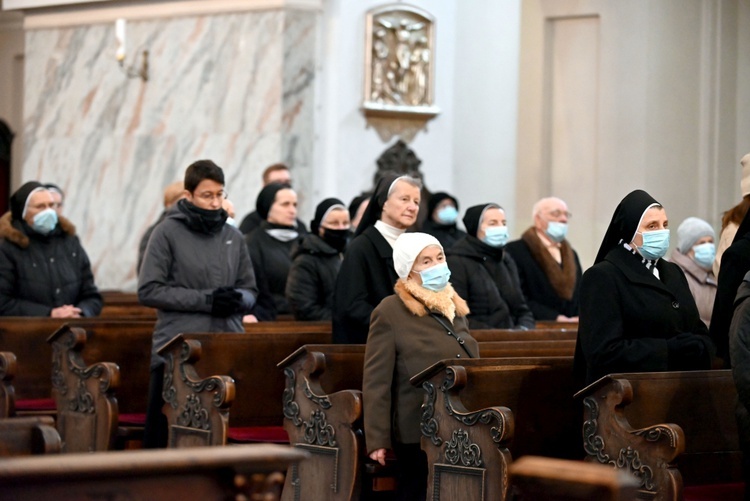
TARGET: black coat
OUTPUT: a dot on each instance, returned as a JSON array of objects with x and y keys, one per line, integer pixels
[
  {"x": 271, "y": 259},
  {"x": 739, "y": 345},
  {"x": 628, "y": 315},
  {"x": 487, "y": 278},
  {"x": 312, "y": 279},
  {"x": 541, "y": 297},
  {"x": 39, "y": 273},
  {"x": 735, "y": 262},
  {"x": 252, "y": 221},
  {"x": 365, "y": 278},
  {"x": 447, "y": 234}
]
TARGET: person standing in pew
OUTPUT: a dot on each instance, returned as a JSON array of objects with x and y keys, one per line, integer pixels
[
  {"x": 44, "y": 271},
  {"x": 739, "y": 349},
  {"x": 366, "y": 275},
  {"x": 316, "y": 262},
  {"x": 172, "y": 194},
  {"x": 270, "y": 246},
  {"x": 548, "y": 266},
  {"x": 422, "y": 323},
  {"x": 275, "y": 173},
  {"x": 637, "y": 312},
  {"x": 486, "y": 275},
  {"x": 197, "y": 273}
]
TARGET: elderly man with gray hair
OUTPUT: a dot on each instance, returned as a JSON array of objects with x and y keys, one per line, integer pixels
[{"x": 548, "y": 267}]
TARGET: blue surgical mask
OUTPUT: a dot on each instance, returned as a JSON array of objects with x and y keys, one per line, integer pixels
[
  {"x": 435, "y": 278},
  {"x": 655, "y": 244},
  {"x": 231, "y": 222},
  {"x": 496, "y": 236},
  {"x": 447, "y": 215},
  {"x": 45, "y": 221},
  {"x": 705, "y": 255},
  {"x": 556, "y": 231}
]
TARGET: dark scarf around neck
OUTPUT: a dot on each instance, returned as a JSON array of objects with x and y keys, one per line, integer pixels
[{"x": 562, "y": 276}]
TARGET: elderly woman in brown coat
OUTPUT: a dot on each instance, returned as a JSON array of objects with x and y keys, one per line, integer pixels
[{"x": 407, "y": 335}]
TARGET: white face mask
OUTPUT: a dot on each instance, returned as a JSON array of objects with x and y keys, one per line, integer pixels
[
  {"x": 45, "y": 221},
  {"x": 232, "y": 222}
]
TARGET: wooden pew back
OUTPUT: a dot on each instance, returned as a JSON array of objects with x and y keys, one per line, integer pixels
[
  {"x": 25, "y": 436},
  {"x": 8, "y": 367}
]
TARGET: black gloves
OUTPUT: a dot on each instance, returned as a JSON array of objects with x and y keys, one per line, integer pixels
[
  {"x": 225, "y": 301},
  {"x": 688, "y": 352}
]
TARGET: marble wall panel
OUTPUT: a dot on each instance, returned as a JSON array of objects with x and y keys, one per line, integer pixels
[{"x": 236, "y": 88}]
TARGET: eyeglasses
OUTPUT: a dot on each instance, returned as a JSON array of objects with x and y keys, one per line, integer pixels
[
  {"x": 558, "y": 213},
  {"x": 210, "y": 197}
]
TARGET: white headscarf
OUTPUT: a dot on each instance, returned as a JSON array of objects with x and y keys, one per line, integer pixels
[{"x": 407, "y": 248}]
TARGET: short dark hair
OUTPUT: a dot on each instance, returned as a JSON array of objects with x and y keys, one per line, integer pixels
[
  {"x": 273, "y": 168},
  {"x": 200, "y": 170}
]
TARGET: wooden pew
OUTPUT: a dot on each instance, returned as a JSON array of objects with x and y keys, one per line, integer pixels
[
  {"x": 25, "y": 436},
  {"x": 249, "y": 360},
  {"x": 480, "y": 413},
  {"x": 324, "y": 385},
  {"x": 668, "y": 429},
  {"x": 119, "y": 304},
  {"x": 485, "y": 335},
  {"x": 531, "y": 348},
  {"x": 219, "y": 473},
  {"x": 534, "y": 477}
]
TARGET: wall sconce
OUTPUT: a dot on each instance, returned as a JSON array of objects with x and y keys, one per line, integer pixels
[{"x": 130, "y": 71}]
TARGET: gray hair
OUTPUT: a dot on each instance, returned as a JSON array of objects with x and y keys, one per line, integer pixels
[{"x": 406, "y": 178}]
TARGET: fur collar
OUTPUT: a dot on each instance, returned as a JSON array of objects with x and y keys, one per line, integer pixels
[
  {"x": 419, "y": 301},
  {"x": 562, "y": 276},
  {"x": 12, "y": 233}
]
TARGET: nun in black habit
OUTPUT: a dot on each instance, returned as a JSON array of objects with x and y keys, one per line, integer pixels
[
  {"x": 637, "y": 312},
  {"x": 367, "y": 275}
]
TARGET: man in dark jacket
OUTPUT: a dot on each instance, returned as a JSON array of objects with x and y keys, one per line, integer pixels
[
  {"x": 484, "y": 274},
  {"x": 44, "y": 271},
  {"x": 548, "y": 266},
  {"x": 197, "y": 273},
  {"x": 739, "y": 348}
]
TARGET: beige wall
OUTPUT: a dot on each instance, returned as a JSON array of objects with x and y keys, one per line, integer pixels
[
  {"x": 616, "y": 96},
  {"x": 11, "y": 80}
]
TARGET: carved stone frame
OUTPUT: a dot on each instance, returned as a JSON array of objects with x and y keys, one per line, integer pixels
[{"x": 397, "y": 118}]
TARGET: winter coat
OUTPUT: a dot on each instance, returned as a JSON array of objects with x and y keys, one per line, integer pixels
[
  {"x": 487, "y": 278},
  {"x": 272, "y": 260},
  {"x": 739, "y": 345},
  {"x": 403, "y": 341},
  {"x": 447, "y": 234},
  {"x": 39, "y": 273},
  {"x": 540, "y": 273},
  {"x": 182, "y": 268},
  {"x": 702, "y": 285},
  {"x": 734, "y": 265},
  {"x": 144, "y": 241},
  {"x": 312, "y": 279},
  {"x": 366, "y": 277},
  {"x": 627, "y": 316}
]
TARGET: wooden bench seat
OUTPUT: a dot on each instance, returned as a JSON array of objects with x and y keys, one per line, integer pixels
[
  {"x": 220, "y": 473},
  {"x": 26, "y": 436},
  {"x": 480, "y": 413},
  {"x": 672, "y": 430}
]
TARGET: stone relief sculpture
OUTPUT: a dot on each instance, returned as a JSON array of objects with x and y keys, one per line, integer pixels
[{"x": 399, "y": 70}]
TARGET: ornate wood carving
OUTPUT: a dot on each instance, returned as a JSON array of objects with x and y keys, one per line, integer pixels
[
  {"x": 460, "y": 449},
  {"x": 318, "y": 431},
  {"x": 291, "y": 408},
  {"x": 429, "y": 424}
]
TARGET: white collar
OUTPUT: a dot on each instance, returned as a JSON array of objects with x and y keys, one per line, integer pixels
[{"x": 390, "y": 233}]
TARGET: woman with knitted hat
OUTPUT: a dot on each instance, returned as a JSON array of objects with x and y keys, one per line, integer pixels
[
  {"x": 44, "y": 271},
  {"x": 366, "y": 274},
  {"x": 316, "y": 262},
  {"x": 486, "y": 275},
  {"x": 637, "y": 312},
  {"x": 695, "y": 254},
  {"x": 442, "y": 213},
  {"x": 270, "y": 247},
  {"x": 408, "y": 334}
]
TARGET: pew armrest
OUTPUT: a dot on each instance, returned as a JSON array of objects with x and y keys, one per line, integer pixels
[
  {"x": 8, "y": 366},
  {"x": 465, "y": 449},
  {"x": 24, "y": 436},
  {"x": 648, "y": 454},
  {"x": 87, "y": 409},
  {"x": 197, "y": 409}
]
